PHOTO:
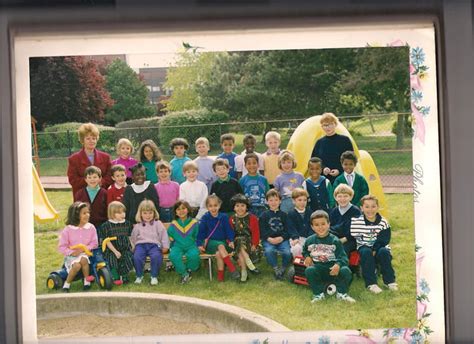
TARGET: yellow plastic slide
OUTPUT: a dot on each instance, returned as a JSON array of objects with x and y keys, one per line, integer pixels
[
  {"x": 302, "y": 143},
  {"x": 43, "y": 210}
]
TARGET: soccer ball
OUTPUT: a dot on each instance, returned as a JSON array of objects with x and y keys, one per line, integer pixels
[{"x": 331, "y": 289}]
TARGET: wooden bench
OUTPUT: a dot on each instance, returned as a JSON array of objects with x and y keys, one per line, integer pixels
[{"x": 203, "y": 256}]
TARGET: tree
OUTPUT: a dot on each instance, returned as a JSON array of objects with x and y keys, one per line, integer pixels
[
  {"x": 65, "y": 89},
  {"x": 129, "y": 93}
]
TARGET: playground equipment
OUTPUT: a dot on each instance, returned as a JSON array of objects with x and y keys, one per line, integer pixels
[
  {"x": 43, "y": 210},
  {"x": 302, "y": 143}
]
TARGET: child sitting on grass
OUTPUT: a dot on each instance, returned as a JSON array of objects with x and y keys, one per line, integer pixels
[
  {"x": 217, "y": 237},
  {"x": 325, "y": 260},
  {"x": 94, "y": 195},
  {"x": 274, "y": 234},
  {"x": 356, "y": 181},
  {"x": 319, "y": 187},
  {"x": 183, "y": 232},
  {"x": 149, "y": 239},
  {"x": 372, "y": 233},
  {"x": 247, "y": 234},
  {"x": 124, "y": 150},
  {"x": 119, "y": 251},
  {"x": 150, "y": 154},
  {"x": 116, "y": 190},
  {"x": 78, "y": 231}
]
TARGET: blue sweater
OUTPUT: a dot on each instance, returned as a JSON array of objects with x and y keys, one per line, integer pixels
[
  {"x": 273, "y": 224},
  {"x": 207, "y": 224},
  {"x": 341, "y": 224},
  {"x": 299, "y": 226}
]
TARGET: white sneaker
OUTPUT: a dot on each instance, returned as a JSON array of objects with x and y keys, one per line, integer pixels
[
  {"x": 317, "y": 298},
  {"x": 345, "y": 297},
  {"x": 139, "y": 280},
  {"x": 374, "y": 288},
  {"x": 392, "y": 286},
  {"x": 154, "y": 281}
]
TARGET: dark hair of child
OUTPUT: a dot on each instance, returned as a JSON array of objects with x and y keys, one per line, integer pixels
[
  {"x": 272, "y": 193},
  {"x": 315, "y": 160},
  {"x": 152, "y": 145},
  {"x": 73, "y": 212},
  {"x": 180, "y": 203},
  {"x": 249, "y": 137},
  {"x": 116, "y": 168},
  {"x": 348, "y": 155},
  {"x": 250, "y": 156},
  {"x": 227, "y": 137},
  {"x": 179, "y": 141},
  {"x": 319, "y": 214},
  {"x": 240, "y": 198},
  {"x": 137, "y": 167},
  {"x": 220, "y": 162},
  {"x": 92, "y": 170}
]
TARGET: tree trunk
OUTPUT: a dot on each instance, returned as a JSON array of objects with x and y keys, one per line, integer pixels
[
  {"x": 400, "y": 130},
  {"x": 371, "y": 125}
]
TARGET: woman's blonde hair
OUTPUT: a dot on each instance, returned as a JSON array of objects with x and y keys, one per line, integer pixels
[
  {"x": 87, "y": 129},
  {"x": 146, "y": 205}
]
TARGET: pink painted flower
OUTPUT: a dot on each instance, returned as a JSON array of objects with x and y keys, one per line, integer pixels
[
  {"x": 420, "y": 309},
  {"x": 419, "y": 129},
  {"x": 397, "y": 43}
]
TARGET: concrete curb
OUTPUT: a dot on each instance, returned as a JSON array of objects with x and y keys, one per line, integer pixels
[{"x": 223, "y": 317}]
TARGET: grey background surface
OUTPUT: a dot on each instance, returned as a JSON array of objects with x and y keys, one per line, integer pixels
[{"x": 455, "y": 74}]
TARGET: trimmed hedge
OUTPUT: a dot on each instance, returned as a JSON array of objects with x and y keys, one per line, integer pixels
[{"x": 191, "y": 124}]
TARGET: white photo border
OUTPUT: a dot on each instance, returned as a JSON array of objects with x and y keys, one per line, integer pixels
[{"x": 420, "y": 37}]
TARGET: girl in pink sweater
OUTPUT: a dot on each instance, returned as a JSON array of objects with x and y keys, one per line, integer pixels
[{"x": 78, "y": 238}]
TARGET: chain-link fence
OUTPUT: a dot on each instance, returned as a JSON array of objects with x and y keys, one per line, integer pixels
[{"x": 387, "y": 138}]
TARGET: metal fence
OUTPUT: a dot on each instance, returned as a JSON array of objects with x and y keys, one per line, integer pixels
[{"x": 376, "y": 133}]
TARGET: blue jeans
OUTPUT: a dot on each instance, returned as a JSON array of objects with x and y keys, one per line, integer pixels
[
  {"x": 367, "y": 262},
  {"x": 271, "y": 250}
]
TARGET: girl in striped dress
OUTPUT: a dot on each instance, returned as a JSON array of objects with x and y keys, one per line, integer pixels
[{"x": 114, "y": 239}]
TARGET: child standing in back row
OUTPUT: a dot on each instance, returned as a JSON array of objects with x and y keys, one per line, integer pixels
[
  {"x": 149, "y": 155},
  {"x": 204, "y": 163},
  {"x": 178, "y": 146},
  {"x": 270, "y": 157},
  {"x": 228, "y": 144},
  {"x": 250, "y": 142},
  {"x": 124, "y": 150}
]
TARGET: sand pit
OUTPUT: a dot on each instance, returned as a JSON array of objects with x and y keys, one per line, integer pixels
[{"x": 113, "y": 326}]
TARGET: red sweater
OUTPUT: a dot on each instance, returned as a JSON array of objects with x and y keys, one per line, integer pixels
[
  {"x": 254, "y": 228},
  {"x": 114, "y": 194},
  {"x": 98, "y": 207},
  {"x": 77, "y": 164}
]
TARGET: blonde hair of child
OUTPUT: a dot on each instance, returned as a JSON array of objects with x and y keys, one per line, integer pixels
[
  {"x": 121, "y": 142},
  {"x": 213, "y": 197},
  {"x": 369, "y": 198},
  {"x": 202, "y": 141},
  {"x": 272, "y": 135},
  {"x": 298, "y": 192},
  {"x": 343, "y": 189},
  {"x": 328, "y": 118},
  {"x": 286, "y": 155},
  {"x": 87, "y": 129},
  {"x": 114, "y": 208},
  {"x": 190, "y": 165},
  {"x": 146, "y": 205}
]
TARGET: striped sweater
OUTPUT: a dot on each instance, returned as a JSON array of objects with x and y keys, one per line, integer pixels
[{"x": 371, "y": 234}]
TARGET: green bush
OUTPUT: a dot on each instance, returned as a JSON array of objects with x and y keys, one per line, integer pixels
[
  {"x": 191, "y": 124},
  {"x": 407, "y": 129},
  {"x": 61, "y": 139},
  {"x": 139, "y": 130}
]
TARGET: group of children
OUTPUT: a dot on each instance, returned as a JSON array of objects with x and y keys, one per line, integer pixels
[{"x": 232, "y": 203}]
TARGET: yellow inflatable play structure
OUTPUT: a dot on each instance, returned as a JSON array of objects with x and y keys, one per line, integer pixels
[
  {"x": 43, "y": 210},
  {"x": 302, "y": 143}
]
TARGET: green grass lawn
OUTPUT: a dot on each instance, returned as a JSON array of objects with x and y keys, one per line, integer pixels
[{"x": 283, "y": 302}]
